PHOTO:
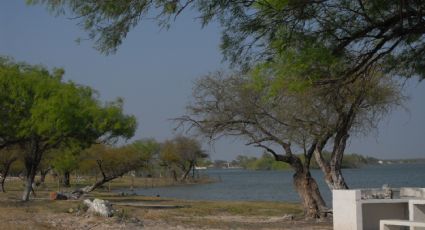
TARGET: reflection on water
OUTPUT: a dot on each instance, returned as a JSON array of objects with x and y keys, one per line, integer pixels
[{"x": 238, "y": 184}]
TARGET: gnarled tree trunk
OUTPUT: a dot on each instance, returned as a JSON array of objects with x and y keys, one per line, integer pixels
[
  {"x": 311, "y": 199},
  {"x": 5, "y": 172},
  {"x": 2, "y": 180},
  {"x": 305, "y": 185},
  {"x": 332, "y": 174},
  {"x": 66, "y": 181},
  {"x": 187, "y": 171}
]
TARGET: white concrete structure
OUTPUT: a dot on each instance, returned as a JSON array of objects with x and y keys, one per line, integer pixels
[
  {"x": 399, "y": 224},
  {"x": 360, "y": 210}
]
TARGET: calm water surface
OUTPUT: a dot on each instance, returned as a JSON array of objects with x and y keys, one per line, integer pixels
[{"x": 246, "y": 185}]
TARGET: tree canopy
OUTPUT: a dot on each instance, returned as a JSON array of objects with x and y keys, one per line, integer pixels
[
  {"x": 281, "y": 119},
  {"x": 40, "y": 112},
  {"x": 182, "y": 153},
  {"x": 359, "y": 34}
]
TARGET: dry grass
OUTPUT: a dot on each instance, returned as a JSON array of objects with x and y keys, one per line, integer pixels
[{"x": 41, "y": 213}]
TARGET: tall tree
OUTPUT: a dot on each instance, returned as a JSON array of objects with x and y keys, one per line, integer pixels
[
  {"x": 330, "y": 112},
  {"x": 281, "y": 119},
  {"x": 65, "y": 160},
  {"x": 233, "y": 106},
  {"x": 356, "y": 108},
  {"x": 148, "y": 150},
  {"x": 182, "y": 153},
  {"x": 49, "y": 112}
]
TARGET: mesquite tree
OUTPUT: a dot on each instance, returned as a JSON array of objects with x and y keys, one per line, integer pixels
[
  {"x": 48, "y": 113},
  {"x": 280, "y": 119},
  {"x": 66, "y": 159},
  {"x": 182, "y": 153},
  {"x": 234, "y": 106},
  {"x": 356, "y": 109},
  {"x": 113, "y": 162}
]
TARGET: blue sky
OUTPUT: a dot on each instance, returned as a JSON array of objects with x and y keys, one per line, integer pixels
[{"x": 154, "y": 71}]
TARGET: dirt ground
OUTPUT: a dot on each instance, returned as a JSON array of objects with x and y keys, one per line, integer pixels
[
  {"x": 45, "y": 214},
  {"x": 69, "y": 221},
  {"x": 141, "y": 212}
]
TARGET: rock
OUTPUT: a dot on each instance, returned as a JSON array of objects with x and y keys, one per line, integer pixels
[
  {"x": 288, "y": 217},
  {"x": 99, "y": 207},
  {"x": 58, "y": 196},
  {"x": 70, "y": 210},
  {"x": 385, "y": 193}
]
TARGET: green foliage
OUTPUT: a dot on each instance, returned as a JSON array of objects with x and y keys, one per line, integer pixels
[
  {"x": 181, "y": 150},
  {"x": 66, "y": 159},
  {"x": 359, "y": 33},
  {"x": 116, "y": 161},
  {"x": 42, "y": 113},
  {"x": 181, "y": 154},
  {"x": 108, "y": 22},
  {"x": 10, "y": 160},
  {"x": 349, "y": 160},
  {"x": 265, "y": 162},
  {"x": 36, "y": 103},
  {"x": 204, "y": 162},
  {"x": 17, "y": 168},
  {"x": 111, "y": 161},
  {"x": 146, "y": 148}
]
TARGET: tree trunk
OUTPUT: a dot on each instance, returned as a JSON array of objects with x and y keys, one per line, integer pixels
[
  {"x": 305, "y": 185},
  {"x": 43, "y": 174},
  {"x": 173, "y": 171},
  {"x": 311, "y": 199},
  {"x": 3, "y": 179},
  {"x": 338, "y": 179},
  {"x": 333, "y": 175},
  {"x": 5, "y": 173},
  {"x": 336, "y": 162},
  {"x": 184, "y": 177},
  {"x": 32, "y": 160},
  {"x": 29, "y": 180},
  {"x": 65, "y": 181},
  {"x": 99, "y": 183},
  {"x": 193, "y": 171},
  {"x": 94, "y": 186}
]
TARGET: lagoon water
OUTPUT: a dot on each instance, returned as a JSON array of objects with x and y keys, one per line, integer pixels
[{"x": 247, "y": 185}]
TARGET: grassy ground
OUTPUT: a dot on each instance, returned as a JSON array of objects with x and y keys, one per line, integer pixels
[{"x": 153, "y": 212}]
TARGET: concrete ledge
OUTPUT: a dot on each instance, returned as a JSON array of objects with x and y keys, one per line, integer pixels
[
  {"x": 384, "y": 201},
  {"x": 389, "y": 224},
  {"x": 412, "y": 192}
]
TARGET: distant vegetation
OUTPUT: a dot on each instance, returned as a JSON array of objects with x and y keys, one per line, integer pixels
[
  {"x": 350, "y": 160},
  {"x": 267, "y": 162},
  {"x": 51, "y": 125},
  {"x": 404, "y": 161}
]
